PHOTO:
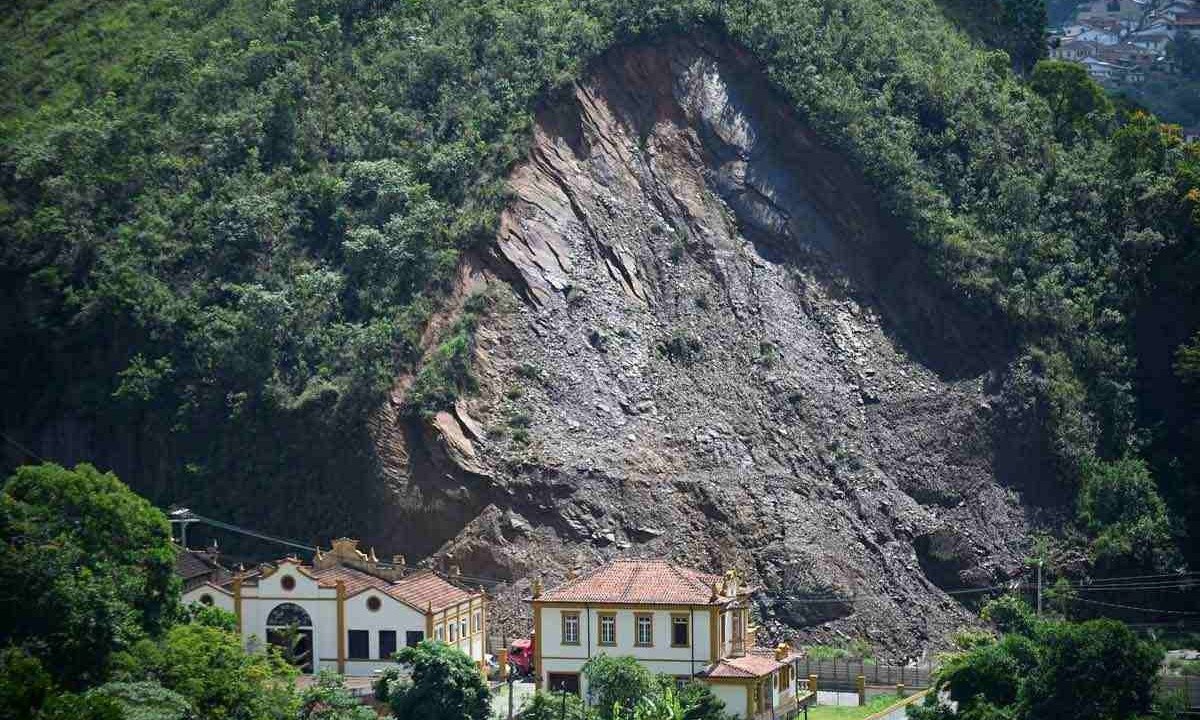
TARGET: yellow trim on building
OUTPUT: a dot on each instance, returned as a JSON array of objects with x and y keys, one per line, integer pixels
[
  {"x": 237, "y": 602},
  {"x": 714, "y": 629},
  {"x": 341, "y": 625},
  {"x": 538, "y": 639}
]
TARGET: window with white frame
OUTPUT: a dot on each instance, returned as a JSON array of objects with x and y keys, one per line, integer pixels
[
  {"x": 477, "y": 621},
  {"x": 570, "y": 628},
  {"x": 608, "y": 629},
  {"x": 644, "y": 624}
]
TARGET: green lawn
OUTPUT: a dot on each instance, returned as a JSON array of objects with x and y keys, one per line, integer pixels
[{"x": 834, "y": 712}]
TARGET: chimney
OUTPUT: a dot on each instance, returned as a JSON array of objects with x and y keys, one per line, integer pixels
[
  {"x": 536, "y": 587},
  {"x": 781, "y": 652}
]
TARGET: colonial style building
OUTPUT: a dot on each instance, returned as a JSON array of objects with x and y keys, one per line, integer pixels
[
  {"x": 675, "y": 621},
  {"x": 346, "y": 611}
]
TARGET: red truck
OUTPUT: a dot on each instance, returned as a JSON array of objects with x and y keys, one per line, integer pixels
[{"x": 520, "y": 657}]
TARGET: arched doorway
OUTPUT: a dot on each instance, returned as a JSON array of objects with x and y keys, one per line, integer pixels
[{"x": 289, "y": 628}]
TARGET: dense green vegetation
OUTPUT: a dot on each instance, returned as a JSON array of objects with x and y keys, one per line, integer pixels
[
  {"x": 443, "y": 684},
  {"x": 91, "y": 625},
  {"x": 623, "y": 689},
  {"x": 1047, "y": 668},
  {"x": 224, "y": 225},
  {"x": 1017, "y": 27}
]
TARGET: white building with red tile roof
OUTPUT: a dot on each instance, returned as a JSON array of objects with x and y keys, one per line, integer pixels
[
  {"x": 675, "y": 621},
  {"x": 346, "y": 611}
]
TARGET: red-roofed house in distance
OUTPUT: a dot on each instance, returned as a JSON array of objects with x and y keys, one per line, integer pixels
[
  {"x": 346, "y": 610},
  {"x": 675, "y": 621}
]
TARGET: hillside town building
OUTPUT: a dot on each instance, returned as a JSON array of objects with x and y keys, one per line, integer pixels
[
  {"x": 674, "y": 621},
  {"x": 344, "y": 611},
  {"x": 1123, "y": 42}
]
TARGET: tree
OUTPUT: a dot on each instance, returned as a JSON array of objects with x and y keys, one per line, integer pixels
[
  {"x": 1120, "y": 505},
  {"x": 210, "y": 668},
  {"x": 990, "y": 674},
  {"x": 86, "y": 569},
  {"x": 24, "y": 684},
  {"x": 1025, "y": 25},
  {"x": 699, "y": 702},
  {"x": 1184, "y": 50},
  {"x": 1080, "y": 107},
  {"x": 617, "y": 684},
  {"x": 145, "y": 701},
  {"x": 444, "y": 685},
  {"x": 1187, "y": 362},
  {"x": 1010, "y": 614},
  {"x": 1097, "y": 670},
  {"x": 328, "y": 699}
]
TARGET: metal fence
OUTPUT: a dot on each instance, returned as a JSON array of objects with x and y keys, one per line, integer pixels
[{"x": 842, "y": 676}]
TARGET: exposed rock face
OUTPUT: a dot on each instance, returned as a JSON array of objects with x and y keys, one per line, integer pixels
[{"x": 721, "y": 351}]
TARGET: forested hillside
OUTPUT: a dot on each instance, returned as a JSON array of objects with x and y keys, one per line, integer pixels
[{"x": 226, "y": 224}]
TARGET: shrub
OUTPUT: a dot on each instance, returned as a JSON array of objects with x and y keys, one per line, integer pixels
[
  {"x": 617, "y": 684},
  {"x": 682, "y": 348},
  {"x": 444, "y": 685}
]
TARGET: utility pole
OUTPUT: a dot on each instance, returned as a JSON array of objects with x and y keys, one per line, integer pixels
[{"x": 511, "y": 679}]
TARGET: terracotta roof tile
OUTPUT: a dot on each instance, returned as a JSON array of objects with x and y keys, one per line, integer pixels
[
  {"x": 653, "y": 582},
  {"x": 754, "y": 665},
  {"x": 355, "y": 580},
  {"x": 419, "y": 589},
  {"x": 424, "y": 587}
]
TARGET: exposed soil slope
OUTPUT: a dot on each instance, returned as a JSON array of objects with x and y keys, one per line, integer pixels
[{"x": 721, "y": 351}]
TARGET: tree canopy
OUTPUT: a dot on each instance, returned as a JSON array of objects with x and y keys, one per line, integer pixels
[
  {"x": 86, "y": 569},
  {"x": 1042, "y": 668},
  {"x": 442, "y": 684},
  {"x": 226, "y": 220},
  {"x": 91, "y": 622}
]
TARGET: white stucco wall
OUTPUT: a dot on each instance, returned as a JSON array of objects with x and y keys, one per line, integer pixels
[
  {"x": 391, "y": 615},
  {"x": 734, "y": 697},
  {"x": 320, "y": 603},
  {"x": 473, "y": 643},
  {"x": 660, "y": 657},
  {"x": 220, "y": 597},
  {"x": 258, "y": 600}
]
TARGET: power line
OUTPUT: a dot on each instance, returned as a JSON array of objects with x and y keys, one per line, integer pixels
[
  {"x": 1131, "y": 607},
  {"x": 1096, "y": 581},
  {"x": 252, "y": 533},
  {"x": 22, "y": 448},
  {"x": 220, "y": 524},
  {"x": 1127, "y": 583}
]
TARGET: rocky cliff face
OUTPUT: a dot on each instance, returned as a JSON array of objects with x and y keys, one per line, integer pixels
[{"x": 709, "y": 343}]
